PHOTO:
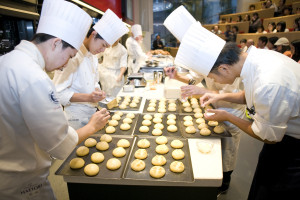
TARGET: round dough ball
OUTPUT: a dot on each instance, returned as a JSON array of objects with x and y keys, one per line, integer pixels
[
  {"x": 102, "y": 146},
  {"x": 152, "y": 100},
  {"x": 213, "y": 123},
  {"x": 159, "y": 126},
  {"x": 146, "y": 122},
  {"x": 172, "y": 109},
  {"x": 125, "y": 102},
  {"x": 144, "y": 129},
  {"x": 97, "y": 157},
  {"x": 161, "y": 140},
  {"x": 123, "y": 143},
  {"x": 138, "y": 165},
  {"x": 136, "y": 101},
  {"x": 125, "y": 127},
  {"x": 200, "y": 120},
  {"x": 196, "y": 110},
  {"x": 172, "y": 105},
  {"x": 116, "y": 117},
  {"x": 156, "y": 132},
  {"x": 130, "y": 115},
  {"x": 178, "y": 154},
  {"x": 186, "y": 104},
  {"x": 158, "y": 115},
  {"x": 133, "y": 105},
  {"x": 188, "y": 109},
  {"x": 76, "y": 163},
  {"x": 113, "y": 164},
  {"x": 194, "y": 99},
  {"x": 190, "y": 129},
  {"x": 141, "y": 154},
  {"x": 157, "y": 120},
  {"x": 110, "y": 129},
  {"x": 205, "y": 131},
  {"x": 157, "y": 172},
  {"x": 90, "y": 142},
  {"x": 171, "y": 122},
  {"x": 176, "y": 144},
  {"x": 119, "y": 152},
  {"x": 123, "y": 106},
  {"x": 127, "y": 120},
  {"x": 177, "y": 167},
  {"x": 202, "y": 125},
  {"x": 120, "y": 113},
  {"x": 106, "y": 138},
  {"x": 82, "y": 151},
  {"x": 158, "y": 160},
  {"x": 188, "y": 123},
  {"x": 152, "y": 105},
  {"x": 143, "y": 143},
  {"x": 161, "y": 149},
  {"x": 188, "y": 118},
  {"x": 147, "y": 117},
  {"x": 171, "y": 116},
  {"x": 198, "y": 115},
  {"x": 91, "y": 169},
  {"x": 172, "y": 128},
  {"x": 219, "y": 129},
  {"x": 150, "y": 109},
  {"x": 162, "y": 110},
  {"x": 162, "y": 104},
  {"x": 113, "y": 122}
]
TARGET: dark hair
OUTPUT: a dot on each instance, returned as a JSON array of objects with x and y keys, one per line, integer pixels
[
  {"x": 289, "y": 8},
  {"x": 273, "y": 40},
  {"x": 236, "y": 28},
  {"x": 282, "y": 26},
  {"x": 262, "y": 27},
  {"x": 264, "y": 39},
  {"x": 239, "y": 18},
  {"x": 243, "y": 41},
  {"x": 39, "y": 38},
  {"x": 255, "y": 14},
  {"x": 229, "y": 55},
  {"x": 98, "y": 36},
  {"x": 273, "y": 24},
  {"x": 252, "y": 6},
  {"x": 296, "y": 55}
]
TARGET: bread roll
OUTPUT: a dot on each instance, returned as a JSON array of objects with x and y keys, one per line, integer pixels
[
  {"x": 219, "y": 129},
  {"x": 123, "y": 143},
  {"x": 144, "y": 129},
  {"x": 90, "y": 142},
  {"x": 102, "y": 146},
  {"x": 143, "y": 143},
  {"x": 127, "y": 120},
  {"x": 97, "y": 157},
  {"x": 159, "y": 126},
  {"x": 119, "y": 152},
  {"x": 157, "y": 172},
  {"x": 188, "y": 118},
  {"x": 161, "y": 140},
  {"x": 200, "y": 120},
  {"x": 158, "y": 160},
  {"x": 176, "y": 144},
  {"x": 161, "y": 149},
  {"x": 76, "y": 163},
  {"x": 156, "y": 132},
  {"x": 177, "y": 167},
  {"x": 116, "y": 117},
  {"x": 202, "y": 125},
  {"x": 188, "y": 123},
  {"x": 172, "y": 128},
  {"x": 205, "y": 131},
  {"x": 171, "y": 116},
  {"x": 113, "y": 164},
  {"x": 130, "y": 115},
  {"x": 106, "y": 138},
  {"x": 190, "y": 129},
  {"x": 178, "y": 154},
  {"x": 171, "y": 122},
  {"x": 91, "y": 169},
  {"x": 141, "y": 154},
  {"x": 158, "y": 115},
  {"x": 82, "y": 151},
  {"x": 213, "y": 123},
  {"x": 147, "y": 117},
  {"x": 138, "y": 165},
  {"x": 110, "y": 129},
  {"x": 157, "y": 120},
  {"x": 113, "y": 122},
  {"x": 125, "y": 127}
]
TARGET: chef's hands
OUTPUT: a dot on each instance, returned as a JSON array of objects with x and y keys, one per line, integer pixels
[
  {"x": 219, "y": 115},
  {"x": 190, "y": 90},
  {"x": 209, "y": 98},
  {"x": 97, "y": 95},
  {"x": 171, "y": 72},
  {"x": 99, "y": 119}
]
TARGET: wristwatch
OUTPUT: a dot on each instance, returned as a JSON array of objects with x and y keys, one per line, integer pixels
[{"x": 192, "y": 82}]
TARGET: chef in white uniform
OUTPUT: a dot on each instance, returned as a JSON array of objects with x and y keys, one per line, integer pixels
[
  {"x": 178, "y": 23},
  {"x": 136, "y": 56},
  {"x": 271, "y": 93},
  {"x": 112, "y": 69},
  {"x": 78, "y": 84},
  {"x": 33, "y": 127}
]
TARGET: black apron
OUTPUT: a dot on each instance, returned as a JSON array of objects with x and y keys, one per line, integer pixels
[{"x": 277, "y": 174}]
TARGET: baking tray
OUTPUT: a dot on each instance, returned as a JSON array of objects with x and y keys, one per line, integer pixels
[
  {"x": 104, "y": 173},
  {"x": 185, "y": 176},
  {"x": 177, "y": 102},
  {"x": 197, "y": 134},
  {"x": 128, "y": 108},
  {"x": 118, "y": 130},
  {"x": 165, "y": 132}
]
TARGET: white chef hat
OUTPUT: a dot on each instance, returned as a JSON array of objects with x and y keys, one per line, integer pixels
[
  {"x": 64, "y": 20},
  {"x": 179, "y": 21},
  {"x": 199, "y": 49},
  {"x": 136, "y": 30},
  {"x": 110, "y": 27}
]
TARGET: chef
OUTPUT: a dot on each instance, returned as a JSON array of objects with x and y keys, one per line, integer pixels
[
  {"x": 78, "y": 84},
  {"x": 175, "y": 23},
  {"x": 271, "y": 93},
  {"x": 136, "y": 56},
  {"x": 112, "y": 69},
  {"x": 33, "y": 127}
]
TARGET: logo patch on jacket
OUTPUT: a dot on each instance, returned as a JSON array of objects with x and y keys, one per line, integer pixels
[{"x": 53, "y": 97}]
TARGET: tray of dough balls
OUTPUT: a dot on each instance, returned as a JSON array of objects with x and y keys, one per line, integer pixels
[
  {"x": 156, "y": 124},
  {"x": 162, "y": 105},
  {"x": 160, "y": 158},
  {"x": 120, "y": 123},
  {"x": 98, "y": 156},
  {"x": 192, "y": 105},
  {"x": 131, "y": 103}
]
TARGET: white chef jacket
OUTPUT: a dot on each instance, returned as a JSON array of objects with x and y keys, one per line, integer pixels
[
  {"x": 79, "y": 76},
  {"x": 272, "y": 89},
  {"x": 114, "y": 58},
  {"x": 33, "y": 126},
  {"x": 136, "y": 56}
]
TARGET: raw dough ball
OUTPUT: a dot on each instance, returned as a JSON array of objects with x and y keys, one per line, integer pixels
[
  {"x": 120, "y": 113},
  {"x": 152, "y": 100},
  {"x": 219, "y": 129},
  {"x": 190, "y": 129},
  {"x": 113, "y": 122},
  {"x": 91, "y": 169},
  {"x": 102, "y": 146},
  {"x": 157, "y": 120},
  {"x": 188, "y": 123},
  {"x": 110, "y": 129},
  {"x": 125, "y": 127},
  {"x": 172, "y": 109},
  {"x": 141, "y": 154},
  {"x": 156, "y": 132},
  {"x": 186, "y": 104},
  {"x": 123, "y": 106},
  {"x": 162, "y": 110},
  {"x": 200, "y": 120},
  {"x": 76, "y": 163},
  {"x": 158, "y": 115},
  {"x": 159, "y": 126},
  {"x": 177, "y": 166},
  {"x": 90, "y": 142},
  {"x": 147, "y": 116},
  {"x": 106, "y": 138},
  {"x": 202, "y": 125},
  {"x": 113, "y": 164},
  {"x": 162, "y": 149},
  {"x": 172, "y": 128},
  {"x": 152, "y": 105},
  {"x": 178, "y": 154},
  {"x": 196, "y": 110},
  {"x": 146, "y": 122},
  {"x": 123, "y": 143},
  {"x": 119, "y": 152},
  {"x": 127, "y": 120},
  {"x": 171, "y": 116},
  {"x": 82, "y": 151},
  {"x": 198, "y": 115},
  {"x": 97, "y": 157},
  {"x": 205, "y": 131},
  {"x": 188, "y": 109},
  {"x": 116, "y": 117},
  {"x": 172, "y": 105},
  {"x": 158, "y": 160},
  {"x": 138, "y": 165},
  {"x": 151, "y": 109},
  {"x": 176, "y": 144},
  {"x": 161, "y": 140},
  {"x": 144, "y": 129},
  {"x": 188, "y": 118},
  {"x": 171, "y": 122},
  {"x": 157, "y": 172},
  {"x": 143, "y": 143},
  {"x": 130, "y": 115},
  {"x": 213, "y": 123},
  {"x": 133, "y": 105}
]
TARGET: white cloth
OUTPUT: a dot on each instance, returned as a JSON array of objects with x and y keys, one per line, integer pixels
[
  {"x": 33, "y": 126},
  {"x": 272, "y": 88},
  {"x": 79, "y": 76},
  {"x": 136, "y": 56},
  {"x": 114, "y": 58}
]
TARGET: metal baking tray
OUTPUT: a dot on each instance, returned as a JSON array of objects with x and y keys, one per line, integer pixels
[
  {"x": 128, "y": 108},
  {"x": 177, "y": 102},
  {"x": 165, "y": 132},
  {"x": 104, "y": 173},
  {"x": 197, "y": 134},
  {"x": 186, "y": 176},
  {"x": 118, "y": 130}
]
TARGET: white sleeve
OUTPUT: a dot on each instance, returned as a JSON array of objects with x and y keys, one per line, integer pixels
[
  {"x": 137, "y": 51},
  {"x": 123, "y": 59}
]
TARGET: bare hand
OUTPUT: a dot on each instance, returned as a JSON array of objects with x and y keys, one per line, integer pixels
[
  {"x": 190, "y": 90},
  {"x": 219, "y": 115},
  {"x": 119, "y": 78},
  {"x": 171, "y": 72},
  {"x": 209, "y": 98},
  {"x": 99, "y": 119},
  {"x": 97, "y": 95}
]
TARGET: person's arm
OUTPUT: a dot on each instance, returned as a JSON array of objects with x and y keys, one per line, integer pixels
[
  {"x": 123, "y": 70},
  {"x": 209, "y": 98},
  {"x": 172, "y": 73},
  {"x": 94, "y": 97}
]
